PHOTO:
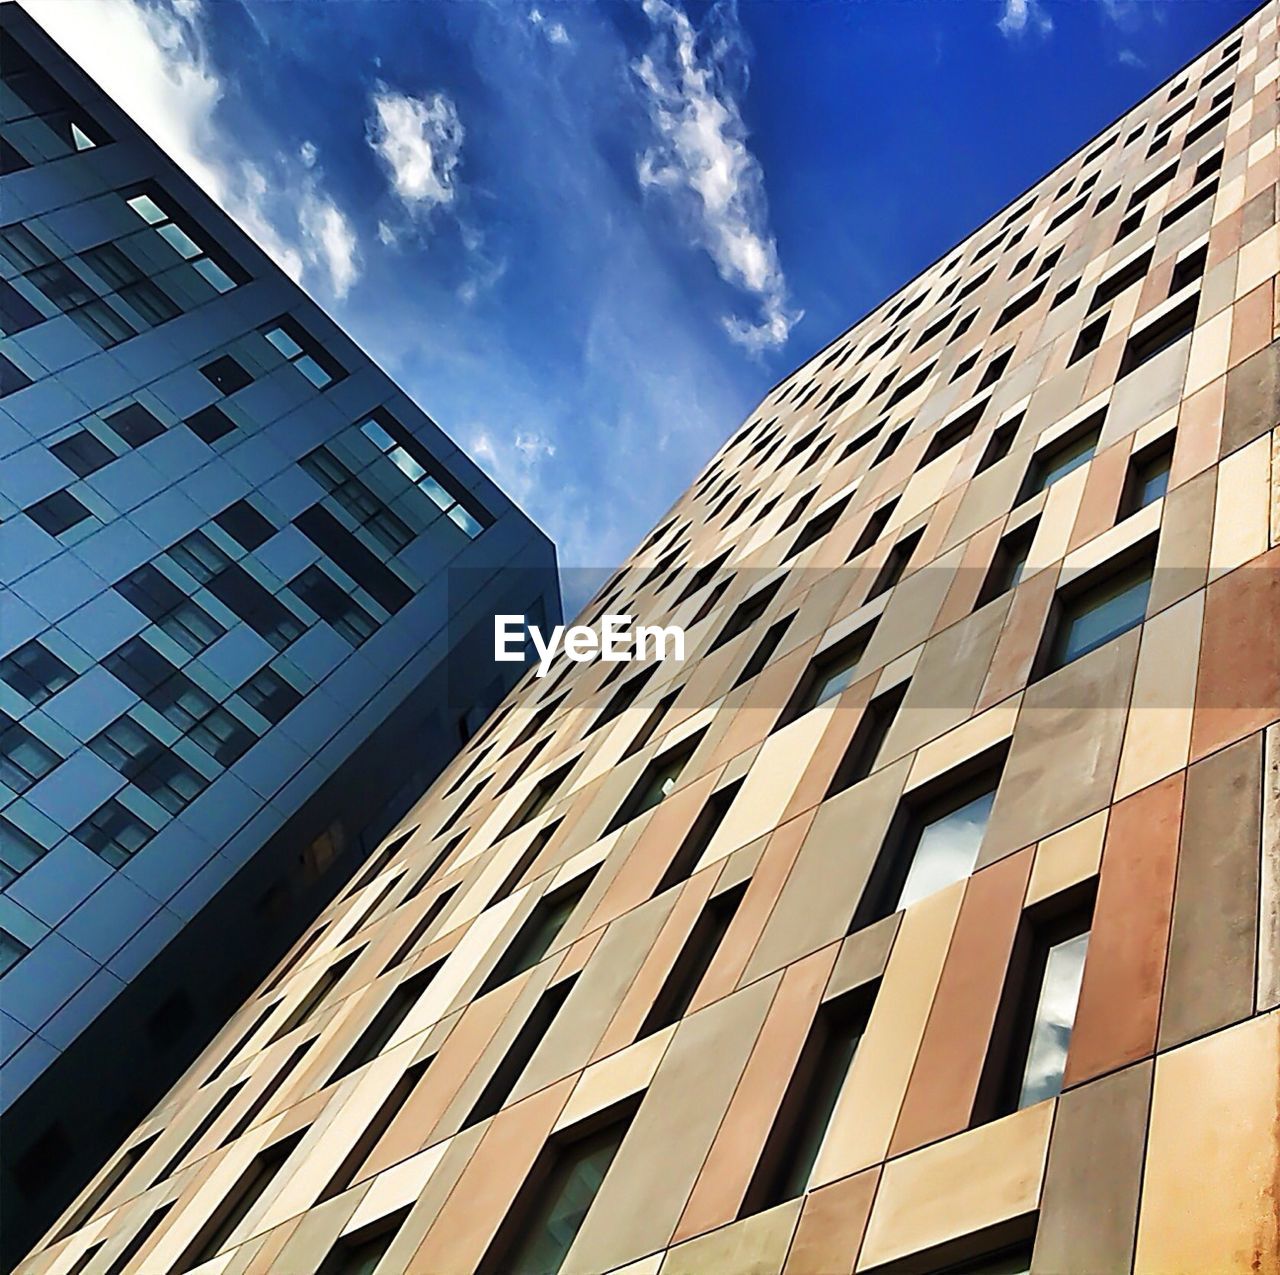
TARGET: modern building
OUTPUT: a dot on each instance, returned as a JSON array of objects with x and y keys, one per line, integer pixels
[
  {"x": 926, "y": 916},
  {"x": 241, "y": 574}
]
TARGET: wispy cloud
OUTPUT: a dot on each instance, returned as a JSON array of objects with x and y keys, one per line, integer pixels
[
  {"x": 419, "y": 140},
  {"x": 1127, "y": 57},
  {"x": 154, "y": 61},
  {"x": 1020, "y": 17},
  {"x": 700, "y": 158},
  {"x": 555, "y": 32}
]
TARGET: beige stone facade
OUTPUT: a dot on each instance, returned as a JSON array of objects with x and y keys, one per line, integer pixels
[{"x": 954, "y": 511}]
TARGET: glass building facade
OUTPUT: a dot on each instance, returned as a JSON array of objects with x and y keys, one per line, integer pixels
[{"x": 239, "y": 567}]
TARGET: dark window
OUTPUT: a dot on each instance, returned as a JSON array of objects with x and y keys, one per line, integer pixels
[
  {"x": 953, "y": 433},
  {"x": 325, "y": 531},
  {"x": 245, "y": 525},
  {"x": 333, "y": 604},
  {"x": 125, "y": 1256},
  {"x": 748, "y": 612},
  {"x": 1000, "y": 444},
  {"x": 373, "y": 1040},
  {"x": 873, "y": 529},
  {"x": 763, "y": 653},
  {"x": 657, "y": 782},
  {"x": 542, "y": 927},
  {"x": 522, "y": 865},
  {"x": 319, "y": 993},
  {"x": 1060, "y": 458},
  {"x": 210, "y": 424},
  {"x": 819, "y": 526},
  {"x": 1100, "y": 608},
  {"x": 1148, "y": 479},
  {"x": 1020, "y": 305},
  {"x": 1157, "y": 337},
  {"x": 366, "y": 509},
  {"x": 891, "y": 443},
  {"x": 372, "y": 1133},
  {"x": 24, "y": 759},
  {"x": 995, "y": 369},
  {"x": 120, "y": 1169},
  {"x": 549, "y": 1211},
  {"x": 1188, "y": 269},
  {"x": 1121, "y": 280},
  {"x": 895, "y": 565},
  {"x": 271, "y": 695},
  {"x": 360, "y": 1252},
  {"x": 1065, "y": 293},
  {"x": 226, "y": 375},
  {"x": 693, "y": 962},
  {"x": 166, "y": 606},
  {"x": 1008, "y": 564},
  {"x": 1088, "y": 340},
  {"x": 82, "y": 453},
  {"x": 12, "y": 950},
  {"x": 114, "y": 833},
  {"x": 1193, "y": 201},
  {"x": 138, "y": 755},
  {"x": 699, "y": 836},
  {"x": 829, "y": 675},
  {"x": 155, "y": 207},
  {"x": 35, "y": 672},
  {"x": 266, "y": 615},
  {"x": 800, "y": 1127},
  {"x": 17, "y": 314},
  {"x": 222, "y": 735},
  {"x": 508, "y": 1072},
  {"x": 250, "y": 1188},
  {"x": 12, "y": 378},
  {"x": 57, "y": 513},
  {"x": 873, "y": 727},
  {"x": 18, "y": 851},
  {"x": 135, "y": 425}
]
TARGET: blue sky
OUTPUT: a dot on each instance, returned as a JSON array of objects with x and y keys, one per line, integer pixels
[{"x": 588, "y": 237}]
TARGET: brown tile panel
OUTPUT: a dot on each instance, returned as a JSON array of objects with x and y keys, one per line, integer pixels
[
  {"x": 1119, "y": 1008},
  {"x": 1089, "y": 1208},
  {"x": 944, "y": 1084},
  {"x": 1209, "y": 982},
  {"x": 832, "y": 1225}
]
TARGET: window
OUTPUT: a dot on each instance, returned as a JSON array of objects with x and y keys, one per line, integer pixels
[
  {"x": 748, "y": 612},
  {"x": 953, "y": 433},
  {"x": 427, "y": 474},
  {"x": 82, "y": 453},
  {"x": 370, "y": 573},
  {"x": 810, "y": 1101},
  {"x": 895, "y": 565},
  {"x": 141, "y": 758},
  {"x": 873, "y": 529},
  {"x": 140, "y": 1238},
  {"x": 12, "y": 950},
  {"x": 1065, "y": 293},
  {"x": 24, "y": 759},
  {"x": 360, "y": 1252},
  {"x": 374, "y": 1130},
  {"x": 658, "y": 781},
  {"x": 1060, "y": 458},
  {"x": 819, "y": 525},
  {"x": 1020, "y": 305},
  {"x": 35, "y": 672},
  {"x": 17, "y": 314},
  {"x": 1097, "y": 610},
  {"x": 269, "y": 694},
  {"x": 934, "y": 839},
  {"x": 265, "y": 614},
  {"x": 152, "y": 207},
  {"x": 1157, "y": 337},
  {"x": 1000, "y": 444},
  {"x": 1008, "y": 564},
  {"x": 995, "y": 369},
  {"x": 134, "y": 424},
  {"x": 210, "y": 424},
  {"x": 250, "y": 1188},
  {"x": 1012, "y": 1261},
  {"x": 1089, "y": 339},
  {"x": 691, "y": 966},
  {"x": 1148, "y": 479},
  {"x": 319, "y": 993},
  {"x": 373, "y": 1040},
  {"x": 57, "y": 513},
  {"x": 114, "y": 833},
  {"x": 316, "y": 364},
  {"x": 763, "y": 653},
  {"x": 829, "y": 675},
  {"x": 366, "y": 509},
  {"x": 699, "y": 836},
  {"x": 508, "y": 1072},
  {"x": 873, "y": 727},
  {"x": 1028, "y": 1054},
  {"x": 166, "y": 606},
  {"x": 334, "y": 605},
  {"x": 522, "y": 865},
  {"x": 549, "y": 1212},
  {"x": 226, "y": 375},
  {"x": 1188, "y": 269},
  {"x": 534, "y": 938},
  {"x": 18, "y": 851},
  {"x": 245, "y": 525},
  {"x": 1121, "y": 280},
  {"x": 12, "y": 378}
]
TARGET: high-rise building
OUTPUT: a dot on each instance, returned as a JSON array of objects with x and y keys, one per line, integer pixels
[
  {"x": 926, "y": 916},
  {"x": 240, "y": 576}
]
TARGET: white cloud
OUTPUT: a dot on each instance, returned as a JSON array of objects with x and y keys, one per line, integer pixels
[
  {"x": 1020, "y": 16},
  {"x": 153, "y": 60},
  {"x": 701, "y": 159},
  {"x": 1127, "y": 57},
  {"x": 512, "y": 461},
  {"x": 419, "y": 140},
  {"x": 554, "y": 31}
]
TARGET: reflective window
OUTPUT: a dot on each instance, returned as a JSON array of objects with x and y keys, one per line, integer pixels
[
  {"x": 12, "y": 950},
  {"x": 35, "y": 672},
  {"x": 945, "y": 848},
  {"x": 148, "y": 207},
  {"x": 114, "y": 833},
  {"x": 1095, "y": 615},
  {"x": 304, "y": 352},
  {"x": 1058, "y": 461},
  {"x": 1055, "y": 1013},
  {"x": 24, "y": 759}
]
